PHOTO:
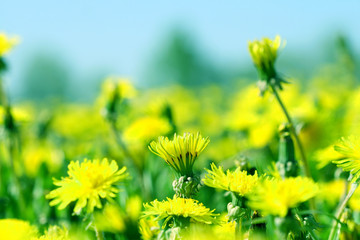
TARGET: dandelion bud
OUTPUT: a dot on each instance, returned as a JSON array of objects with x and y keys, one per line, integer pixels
[
  {"x": 186, "y": 187},
  {"x": 264, "y": 54},
  {"x": 233, "y": 211}
]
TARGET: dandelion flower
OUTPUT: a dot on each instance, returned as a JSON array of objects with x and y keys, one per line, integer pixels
[
  {"x": 179, "y": 208},
  {"x": 7, "y": 43},
  {"x": 87, "y": 183},
  {"x": 15, "y": 229},
  {"x": 235, "y": 181},
  {"x": 350, "y": 149},
  {"x": 181, "y": 152},
  {"x": 275, "y": 196}
]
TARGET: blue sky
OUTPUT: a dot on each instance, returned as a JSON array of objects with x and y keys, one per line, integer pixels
[{"x": 121, "y": 36}]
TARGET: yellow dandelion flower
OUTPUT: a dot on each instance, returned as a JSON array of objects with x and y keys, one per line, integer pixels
[
  {"x": 55, "y": 233},
  {"x": 173, "y": 209},
  {"x": 350, "y": 149},
  {"x": 87, "y": 183},
  {"x": 275, "y": 196},
  {"x": 15, "y": 229},
  {"x": 181, "y": 152},
  {"x": 7, "y": 43},
  {"x": 236, "y": 181}
]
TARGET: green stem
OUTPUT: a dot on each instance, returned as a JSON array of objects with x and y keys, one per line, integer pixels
[
  {"x": 99, "y": 234},
  {"x": 340, "y": 210},
  {"x": 293, "y": 131}
]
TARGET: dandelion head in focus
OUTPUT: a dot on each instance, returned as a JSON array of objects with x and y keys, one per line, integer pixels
[
  {"x": 87, "y": 182},
  {"x": 16, "y": 229},
  {"x": 181, "y": 152},
  {"x": 178, "y": 209},
  {"x": 237, "y": 181},
  {"x": 276, "y": 196},
  {"x": 350, "y": 149}
]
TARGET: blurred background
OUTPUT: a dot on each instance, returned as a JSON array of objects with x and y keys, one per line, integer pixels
[{"x": 68, "y": 47}]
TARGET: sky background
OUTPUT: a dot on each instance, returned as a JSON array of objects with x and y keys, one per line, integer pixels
[{"x": 121, "y": 37}]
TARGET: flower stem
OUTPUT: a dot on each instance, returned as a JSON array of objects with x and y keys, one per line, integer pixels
[
  {"x": 340, "y": 210},
  {"x": 293, "y": 131},
  {"x": 99, "y": 234}
]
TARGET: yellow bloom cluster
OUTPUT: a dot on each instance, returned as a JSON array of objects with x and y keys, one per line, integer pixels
[
  {"x": 87, "y": 183},
  {"x": 276, "y": 197},
  {"x": 179, "y": 207},
  {"x": 181, "y": 152},
  {"x": 236, "y": 181}
]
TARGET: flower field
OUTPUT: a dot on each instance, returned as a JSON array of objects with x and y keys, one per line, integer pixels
[{"x": 269, "y": 158}]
